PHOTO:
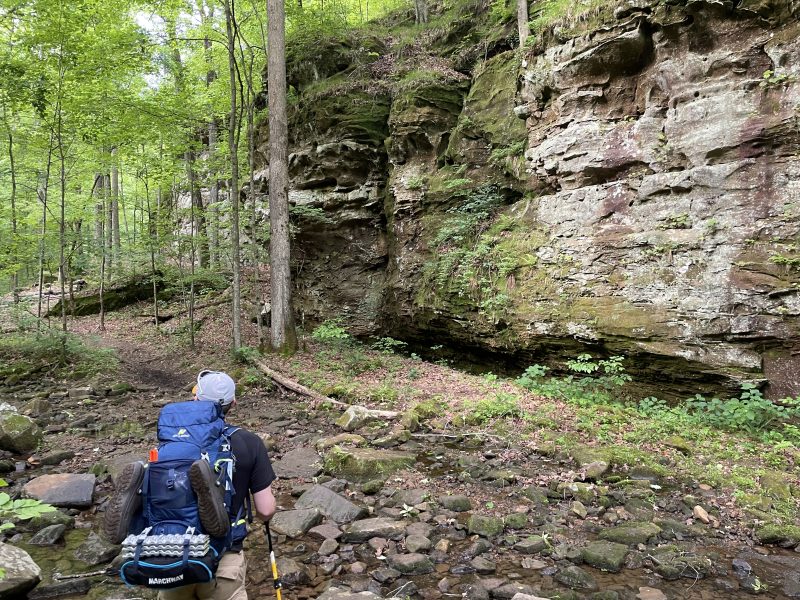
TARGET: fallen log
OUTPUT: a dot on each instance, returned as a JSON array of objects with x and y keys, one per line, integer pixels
[{"x": 302, "y": 390}]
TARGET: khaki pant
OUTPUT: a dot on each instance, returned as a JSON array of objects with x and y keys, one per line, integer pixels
[{"x": 229, "y": 584}]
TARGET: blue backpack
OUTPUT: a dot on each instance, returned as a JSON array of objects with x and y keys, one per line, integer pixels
[{"x": 167, "y": 546}]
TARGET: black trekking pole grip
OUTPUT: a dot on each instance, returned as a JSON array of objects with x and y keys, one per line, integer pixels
[{"x": 275, "y": 577}]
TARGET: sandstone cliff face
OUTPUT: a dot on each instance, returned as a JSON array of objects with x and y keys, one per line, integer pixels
[{"x": 633, "y": 189}]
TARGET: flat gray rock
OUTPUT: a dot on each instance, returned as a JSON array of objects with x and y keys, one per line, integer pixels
[
  {"x": 294, "y": 523},
  {"x": 67, "y": 490},
  {"x": 96, "y": 551},
  {"x": 361, "y": 531},
  {"x": 21, "y": 572},
  {"x": 337, "y": 508},
  {"x": 302, "y": 463},
  {"x": 334, "y": 593}
]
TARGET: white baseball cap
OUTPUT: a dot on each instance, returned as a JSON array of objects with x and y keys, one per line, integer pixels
[{"x": 215, "y": 386}]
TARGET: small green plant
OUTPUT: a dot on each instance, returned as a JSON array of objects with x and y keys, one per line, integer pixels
[
  {"x": 307, "y": 214},
  {"x": 490, "y": 377},
  {"x": 501, "y": 405},
  {"x": 711, "y": 226},
  {"x": 415, "y": 182},
  {"x": 22, "y": 509},
  {"x": 652, "y": 406},
  {"x": 458, "y": 182},
  {"x": 772, "y": 79},
  {"x": 679, "y": 221},
  {"x": 246, "y": 354},
  {"x": 749, "y": 412},
  {"x": 388, "y": 345},
  {"x": 331, "y": 332}
]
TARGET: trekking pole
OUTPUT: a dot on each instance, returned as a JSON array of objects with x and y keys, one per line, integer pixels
[
  {"x": 275, "y": 577},
  {"x": 109, "y": 571}
]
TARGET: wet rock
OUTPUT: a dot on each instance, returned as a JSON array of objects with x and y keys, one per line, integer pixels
[
  {"x": 462, "y": 570},
  {"x": 295, "y": 523},
  {"x": 577, "y": 508},
  {"x": 477, "y": 548},
  {"x": 421, "y": 529},
  {"x": 335, "y": 485},
  {"x": 532, "y": 564},
  {"x": 343, "y": 439},
  {"x": 536, "y": 495},
  {"x": 409, "y": 497},
  {"x": 328, "y": 547},
  {"x": 37, "y": 407},
  {"x": 741, "y": 568},
  {"x": 55, "y": 517},
  {"x": 6, "y": 408},
  {"x": 531, "y": 545},
  {"x": 56, "y": 457},
  {"x": 356, "y": 417},
  {"x": 75, "y": 587},
  {"x": 64, "y": 490},
  {"x": 671, "y": 529},
  {"x": 48, "y": 536},
  {"x": 725, "y": 585},
  {"x": 576, "y": 578},
  {"x": 475, "y": 591},
  {"x": 301, "y": 463},
  {"x": 516, "y": 521},
  {"x": 81, "y": 393},
  {"x": 791, "y": 584},
  {"x": 509, "y": 590},
  {"x": 483, "y": 566},
  {"x": 456, "y": 503},
  {"x": 335, "y": 593},
  {"x": 332, "y": 505},
  {"x": 21, "y": 573},
  {"x": 365, "y": 529},
  {"x": 365, "y": 464},
  {"x": 96, "y": 551},
  {"x": 326, "y": 531},
  {"x": 607, "y": 556},
  {"x": 527, "y": 597},
  {"x": 485, "y": 525},
  {"x": 411, "y": 564},
  {"x": 416, "y": 543},
  {"x": 373, "y": 486},
  {"x": 753, "y": 585},
  {"x": 631, "y": 533},
  {"x": 19, "y": 433},
  {"x": 292, "y": 572},
  {"x": 395, "y": 438},
  {"x": 648, "y": 593},
  {"x": 386, "y": 575}
]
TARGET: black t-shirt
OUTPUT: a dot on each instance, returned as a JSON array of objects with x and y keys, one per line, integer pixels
[{"x": 254, "y": 471}]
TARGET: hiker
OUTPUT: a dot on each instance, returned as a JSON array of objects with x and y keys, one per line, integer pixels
[{"x": 222, "y": 515}]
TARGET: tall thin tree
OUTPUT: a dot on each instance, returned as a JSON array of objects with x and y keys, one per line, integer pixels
[{"x": 283, "y": 335}]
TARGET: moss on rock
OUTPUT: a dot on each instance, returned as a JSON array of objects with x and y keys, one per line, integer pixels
[{"x": 365, "y": 464}]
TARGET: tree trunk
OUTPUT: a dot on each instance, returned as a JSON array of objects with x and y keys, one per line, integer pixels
[
  {"x": 283, "y": 336},
  {"x": 99, "y": 233},
  {"x": 421, "y": 11},
  {"x": 213, "y": 217},
  {"x": 14, "y": 276},
  {"x": 234, "y": 188},
  {"x": 41, "y": 192},
  {"x": 109, "y": 227},
  {"x": 522, "y": 22},
  {"x": 115, "y": 205},
  {"x": 198, "y": 219}
]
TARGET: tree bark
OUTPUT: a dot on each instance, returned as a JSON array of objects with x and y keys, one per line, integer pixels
[
  {"x": 283, "y": 336},
  {"x": 115, "y": 205},
  {"x": 99, "y": 233},
  {"x": 522, "y": 22},
  {"x": 234, "y": 188},
  {"x": 14, "y": 276},
  {"x": 421, "y": 11}
]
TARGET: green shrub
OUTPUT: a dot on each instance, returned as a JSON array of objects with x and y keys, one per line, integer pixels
[
  {"x": 332, "y": 332},
  {"x": 501, "y": 405},
  {"x": 388, "y": 345},
  {"x": 749, "y": 412}
]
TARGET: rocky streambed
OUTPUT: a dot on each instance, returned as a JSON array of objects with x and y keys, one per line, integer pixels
[{"x": 388, "y": 508}]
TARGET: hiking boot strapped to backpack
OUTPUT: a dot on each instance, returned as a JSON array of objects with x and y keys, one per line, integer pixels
[{"x": 175, "y": 511}]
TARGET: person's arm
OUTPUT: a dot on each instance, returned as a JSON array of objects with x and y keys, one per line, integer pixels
[{"x": 264, "y": 503}]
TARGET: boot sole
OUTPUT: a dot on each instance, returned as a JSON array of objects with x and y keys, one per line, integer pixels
[
  {"x": 125, "y": 503},
  {"x": 210, "y": 501}
]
